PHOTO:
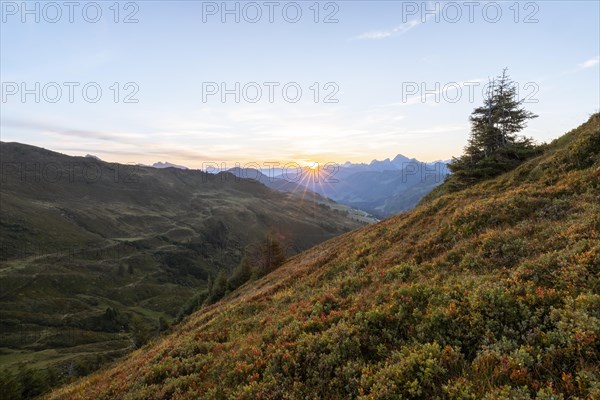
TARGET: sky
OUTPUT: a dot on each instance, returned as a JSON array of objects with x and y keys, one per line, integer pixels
[{"x": 179, "y": 81}]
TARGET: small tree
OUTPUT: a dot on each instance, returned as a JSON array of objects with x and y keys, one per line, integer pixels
[
  {"x": 219, "y": 288},
  {"x": 140, "y": 331},
  {"x": 271, "y": 255},
  {"x": 241, "y": 274},
  {"x": 163, "y": 325},
  {"x": 210, "y": 283},
  {"x": 494, "y": 145}
]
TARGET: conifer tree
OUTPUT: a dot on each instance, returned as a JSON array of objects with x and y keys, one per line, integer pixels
[
  {"x": 272, "y": 254},
  {"x": 494, "y": 145},
  {"x": 219, "y": 288},
  {"x": 241, "y": 274}
]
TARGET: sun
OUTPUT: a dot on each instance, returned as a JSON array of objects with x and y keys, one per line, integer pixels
[{"x": 313, "y": 166}]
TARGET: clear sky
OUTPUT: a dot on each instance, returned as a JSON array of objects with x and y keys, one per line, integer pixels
[{"x": 370, "y": 57}]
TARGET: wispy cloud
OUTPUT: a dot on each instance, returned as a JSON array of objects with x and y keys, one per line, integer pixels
[
  {"x": 402, "y": 28},
  {"x": 51, "y": 129},
  {"x": 590, "y": 63},
  {"x": 574, "y": 70},
  {"x": 106, "y": 143},
  {"x": 399, "y": 30}
]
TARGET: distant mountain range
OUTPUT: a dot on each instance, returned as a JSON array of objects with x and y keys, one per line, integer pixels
[
  {"x": 381, "y": 187},
  {"x": 386, "y": 165},
  {"x": 167, "y": 165},
  {"x": 397, "y": 163},
  {"x": 161, "y": 165}
]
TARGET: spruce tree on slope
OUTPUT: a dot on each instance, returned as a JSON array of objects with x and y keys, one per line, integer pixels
[{"x": 494, "y": 145}]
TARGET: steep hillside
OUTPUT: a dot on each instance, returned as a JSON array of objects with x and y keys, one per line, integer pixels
[
  {"x": 487, "y": 293},
  {"x": 96, "y": 257}
]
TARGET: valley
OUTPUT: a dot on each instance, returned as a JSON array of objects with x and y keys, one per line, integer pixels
[{"x": 95, "y": 262}]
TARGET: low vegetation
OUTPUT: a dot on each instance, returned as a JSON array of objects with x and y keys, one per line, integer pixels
[{"x": 489, "y": 292}]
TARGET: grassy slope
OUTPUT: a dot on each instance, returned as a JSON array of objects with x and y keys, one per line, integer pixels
[
  {"x": 491, "y": 292},
  {"x": 140, "y": 240}
]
